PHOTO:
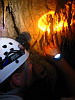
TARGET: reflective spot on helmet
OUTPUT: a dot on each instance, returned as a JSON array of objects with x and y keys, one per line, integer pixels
[
  {"x": 4, "y": 46},
  {"x": 6, "y": 53},
  {"x": 10, "y": 43}
]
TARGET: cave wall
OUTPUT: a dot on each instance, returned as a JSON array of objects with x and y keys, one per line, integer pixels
[
  {"x": 23, "y": 15},
  {"x": 26, "y": 15}
]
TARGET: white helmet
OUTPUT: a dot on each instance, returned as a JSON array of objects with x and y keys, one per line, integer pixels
[{"x": 11, "y": 57}]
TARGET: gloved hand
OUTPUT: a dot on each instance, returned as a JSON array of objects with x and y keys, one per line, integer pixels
[{"x": 52, "y": 49}]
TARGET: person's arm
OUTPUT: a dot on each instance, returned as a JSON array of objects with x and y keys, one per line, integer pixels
[
  {"x": 67, "y": 71},
  {"x": 69, "y": 74}
]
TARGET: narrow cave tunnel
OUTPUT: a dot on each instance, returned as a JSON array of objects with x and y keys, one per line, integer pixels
[{"x": 42, "y": 19}]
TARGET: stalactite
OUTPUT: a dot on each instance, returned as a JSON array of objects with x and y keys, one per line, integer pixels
[
  {"x": 2, "y": 1},
  {"x": 69, "y": 16},
  {"x": 9, "y": 9}
]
